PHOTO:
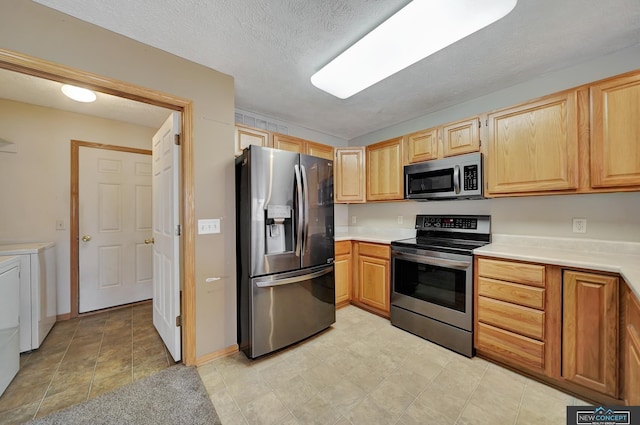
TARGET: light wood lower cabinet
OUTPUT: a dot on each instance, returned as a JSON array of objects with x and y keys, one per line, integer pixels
[
  {"x": 372, "y": 277},
  {"x": 590, "y": 331},
  {"x": 632, "y": 351},
  {"x": 343, "y": 272}
]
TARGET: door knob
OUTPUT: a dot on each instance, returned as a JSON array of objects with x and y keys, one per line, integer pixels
[
  {"x": 86, "y": 238},
  {"x": 148, "y": 241}
]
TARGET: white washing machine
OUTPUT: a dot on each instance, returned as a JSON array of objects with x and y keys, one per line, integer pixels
[
  {"x": 38, "y": 290},
  {"x": 9, "y": 319}
]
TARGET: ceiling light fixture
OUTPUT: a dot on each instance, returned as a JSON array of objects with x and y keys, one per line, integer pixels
[
  {"x": 78, "y": 93},
  {"x": 418, "y": 30}
]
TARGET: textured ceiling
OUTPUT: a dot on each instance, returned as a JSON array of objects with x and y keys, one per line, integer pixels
[{"x": 272, "y": 47}]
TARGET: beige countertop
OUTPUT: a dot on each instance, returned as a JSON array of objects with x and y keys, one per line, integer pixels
[{"x": 598, "y": 255}]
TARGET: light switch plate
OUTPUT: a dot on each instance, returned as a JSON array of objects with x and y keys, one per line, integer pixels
[{"x": 208, "y": 226}]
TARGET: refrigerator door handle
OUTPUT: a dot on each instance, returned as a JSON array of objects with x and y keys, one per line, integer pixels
[
  {"x": 300, "y": 218},
  {"x": 305, "y": 191},
  {"x": 289, "y": 280}
]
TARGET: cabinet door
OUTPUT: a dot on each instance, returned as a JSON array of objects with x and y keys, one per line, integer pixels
[
  {"x": 288, "y": 143},
  {"x": 246, "y": 136},
  {"x": 590, "y": 331},
  {"x": 343, "y": 272},
  {"x": 423, "y": 145},
  {"x": 320, "y": 150},
  {"x": 534, "y": 147},
  {"x": 349, "y": 175},
  {"x": 461, "y": 137},
  {"x": 385, "y": 171},
  {"x": 632, "y": 352},
  {"x": 615, "y": 132},
  {"x": 373, "y": 282}
]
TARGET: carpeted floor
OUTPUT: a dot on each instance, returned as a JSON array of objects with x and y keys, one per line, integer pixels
[{"x": 173, "y": 396}]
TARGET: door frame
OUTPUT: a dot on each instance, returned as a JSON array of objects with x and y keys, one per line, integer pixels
[
  {"x": 74, "y": 220},
  {"x": 30, "y": 65}
]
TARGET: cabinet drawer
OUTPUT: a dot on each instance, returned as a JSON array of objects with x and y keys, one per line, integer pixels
[
  {"x": 515, "y": 348},
  {"x": 343, "y": 248},
  {"x": 528, "y": 274},
  {"x": 523, "y": 320},
  {"x": 373, "y": 250},
  {"x": 512, "y": 292}
]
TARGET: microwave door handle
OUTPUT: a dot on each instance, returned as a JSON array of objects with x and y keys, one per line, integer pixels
[
  {"x": 299, "y": 219},
  {"x": 443, "y": 262},
  {"x": 456, "y": 179}
]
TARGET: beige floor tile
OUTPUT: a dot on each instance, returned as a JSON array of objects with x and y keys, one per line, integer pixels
[
  {"x": 368, "y": 412},
  {"x": 316, "y": 411},
  {"x": 418, "y": 413},
  {"x": 392, "y": 397},
  {"x": 245, "y": 388},
  {"x": 225, "y": 405},
  {"x": 289, "y": 419},
  {"x": 447, "y": 402},
  {"x": 294, "y": 392},
  {"x": 343, "y": 396},
  {"x": 265, "y": 409},
  {"x": 361, "y": 376},
  {"x": 475, "y": 414}
]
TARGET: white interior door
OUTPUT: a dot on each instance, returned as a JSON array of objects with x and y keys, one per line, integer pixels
[
  {"x": 114, "y": 192},
  {"x": 166, "y": 272}
]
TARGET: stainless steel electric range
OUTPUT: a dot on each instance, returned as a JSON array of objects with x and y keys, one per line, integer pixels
[{"x": 432, "y": 279}]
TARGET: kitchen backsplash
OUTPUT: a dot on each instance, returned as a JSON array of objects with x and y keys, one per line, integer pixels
[{"x": 610, "y": 216}]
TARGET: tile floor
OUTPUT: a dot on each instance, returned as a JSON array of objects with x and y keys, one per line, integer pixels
[
  {"x": 365, "y": 371},
  {"x": 82, "y": 358}
]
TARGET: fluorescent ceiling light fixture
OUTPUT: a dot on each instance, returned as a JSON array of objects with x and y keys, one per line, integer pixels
[
  {"x": 418, "y": 30},
  {"x": 78, "y": 93}
]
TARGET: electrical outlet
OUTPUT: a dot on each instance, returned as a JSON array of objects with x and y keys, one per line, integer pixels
[
  {"x": 60, "y": 225},
  {"x": 579, "y": 225},
  {"x": 400, "y": 219},
  {"x": 354, "y": 220}
]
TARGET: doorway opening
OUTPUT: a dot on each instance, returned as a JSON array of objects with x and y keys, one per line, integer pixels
[{"x": 39, "y": 68}]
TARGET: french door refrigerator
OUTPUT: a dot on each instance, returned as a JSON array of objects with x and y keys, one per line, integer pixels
[{"x": 285, "y": 248}]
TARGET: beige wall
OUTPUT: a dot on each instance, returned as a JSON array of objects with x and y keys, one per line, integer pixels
[
  {"x": 36, "y": 179},
  {"x": 609, "y": 216},
  {"x": 35, "y": 30}
]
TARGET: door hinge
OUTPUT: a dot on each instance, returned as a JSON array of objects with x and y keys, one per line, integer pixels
[
  {"x": 176, "y": 139},
  {"x": 178, "y": 230},
  {"x": 178, "y": 321},
  {"x": 486, "y": 123},
  {"x": 479, "y": 123}
]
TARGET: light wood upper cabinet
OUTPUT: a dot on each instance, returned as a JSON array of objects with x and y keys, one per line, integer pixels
[
  {"x": 319, "y": 150},
  {"x": 349, "y": 175},
  {"x": 288, "y": 143},
  {"x": 246, "y": 136},
  {"x": 385, "y": 171},
  {"x": 461, "y": 137},
  {"x": 632, "y": 351},
  {"x": 423, "y": 145},
  {"x": 615, "y": 132},
  {"x": 533, "y": 147},
  {"x": 590, "y": 331}
]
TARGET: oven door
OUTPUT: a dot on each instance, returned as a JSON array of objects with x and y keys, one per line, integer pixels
[{"x": 434, "y": 284}]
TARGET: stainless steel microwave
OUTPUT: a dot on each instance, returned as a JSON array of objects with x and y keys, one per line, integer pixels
[{"x": 457, "y": 177}]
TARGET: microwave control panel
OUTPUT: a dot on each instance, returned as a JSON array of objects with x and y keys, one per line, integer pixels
[{"x": 470, "y": 177}]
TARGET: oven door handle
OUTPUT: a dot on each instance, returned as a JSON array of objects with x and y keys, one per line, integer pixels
[{"x": 454, "y": 264}]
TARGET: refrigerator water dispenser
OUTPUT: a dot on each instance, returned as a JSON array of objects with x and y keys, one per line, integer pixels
[{"x": 278, "y": 225}]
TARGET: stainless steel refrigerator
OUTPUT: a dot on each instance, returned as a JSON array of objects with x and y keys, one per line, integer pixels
[{"x": 285, "y": 248}]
